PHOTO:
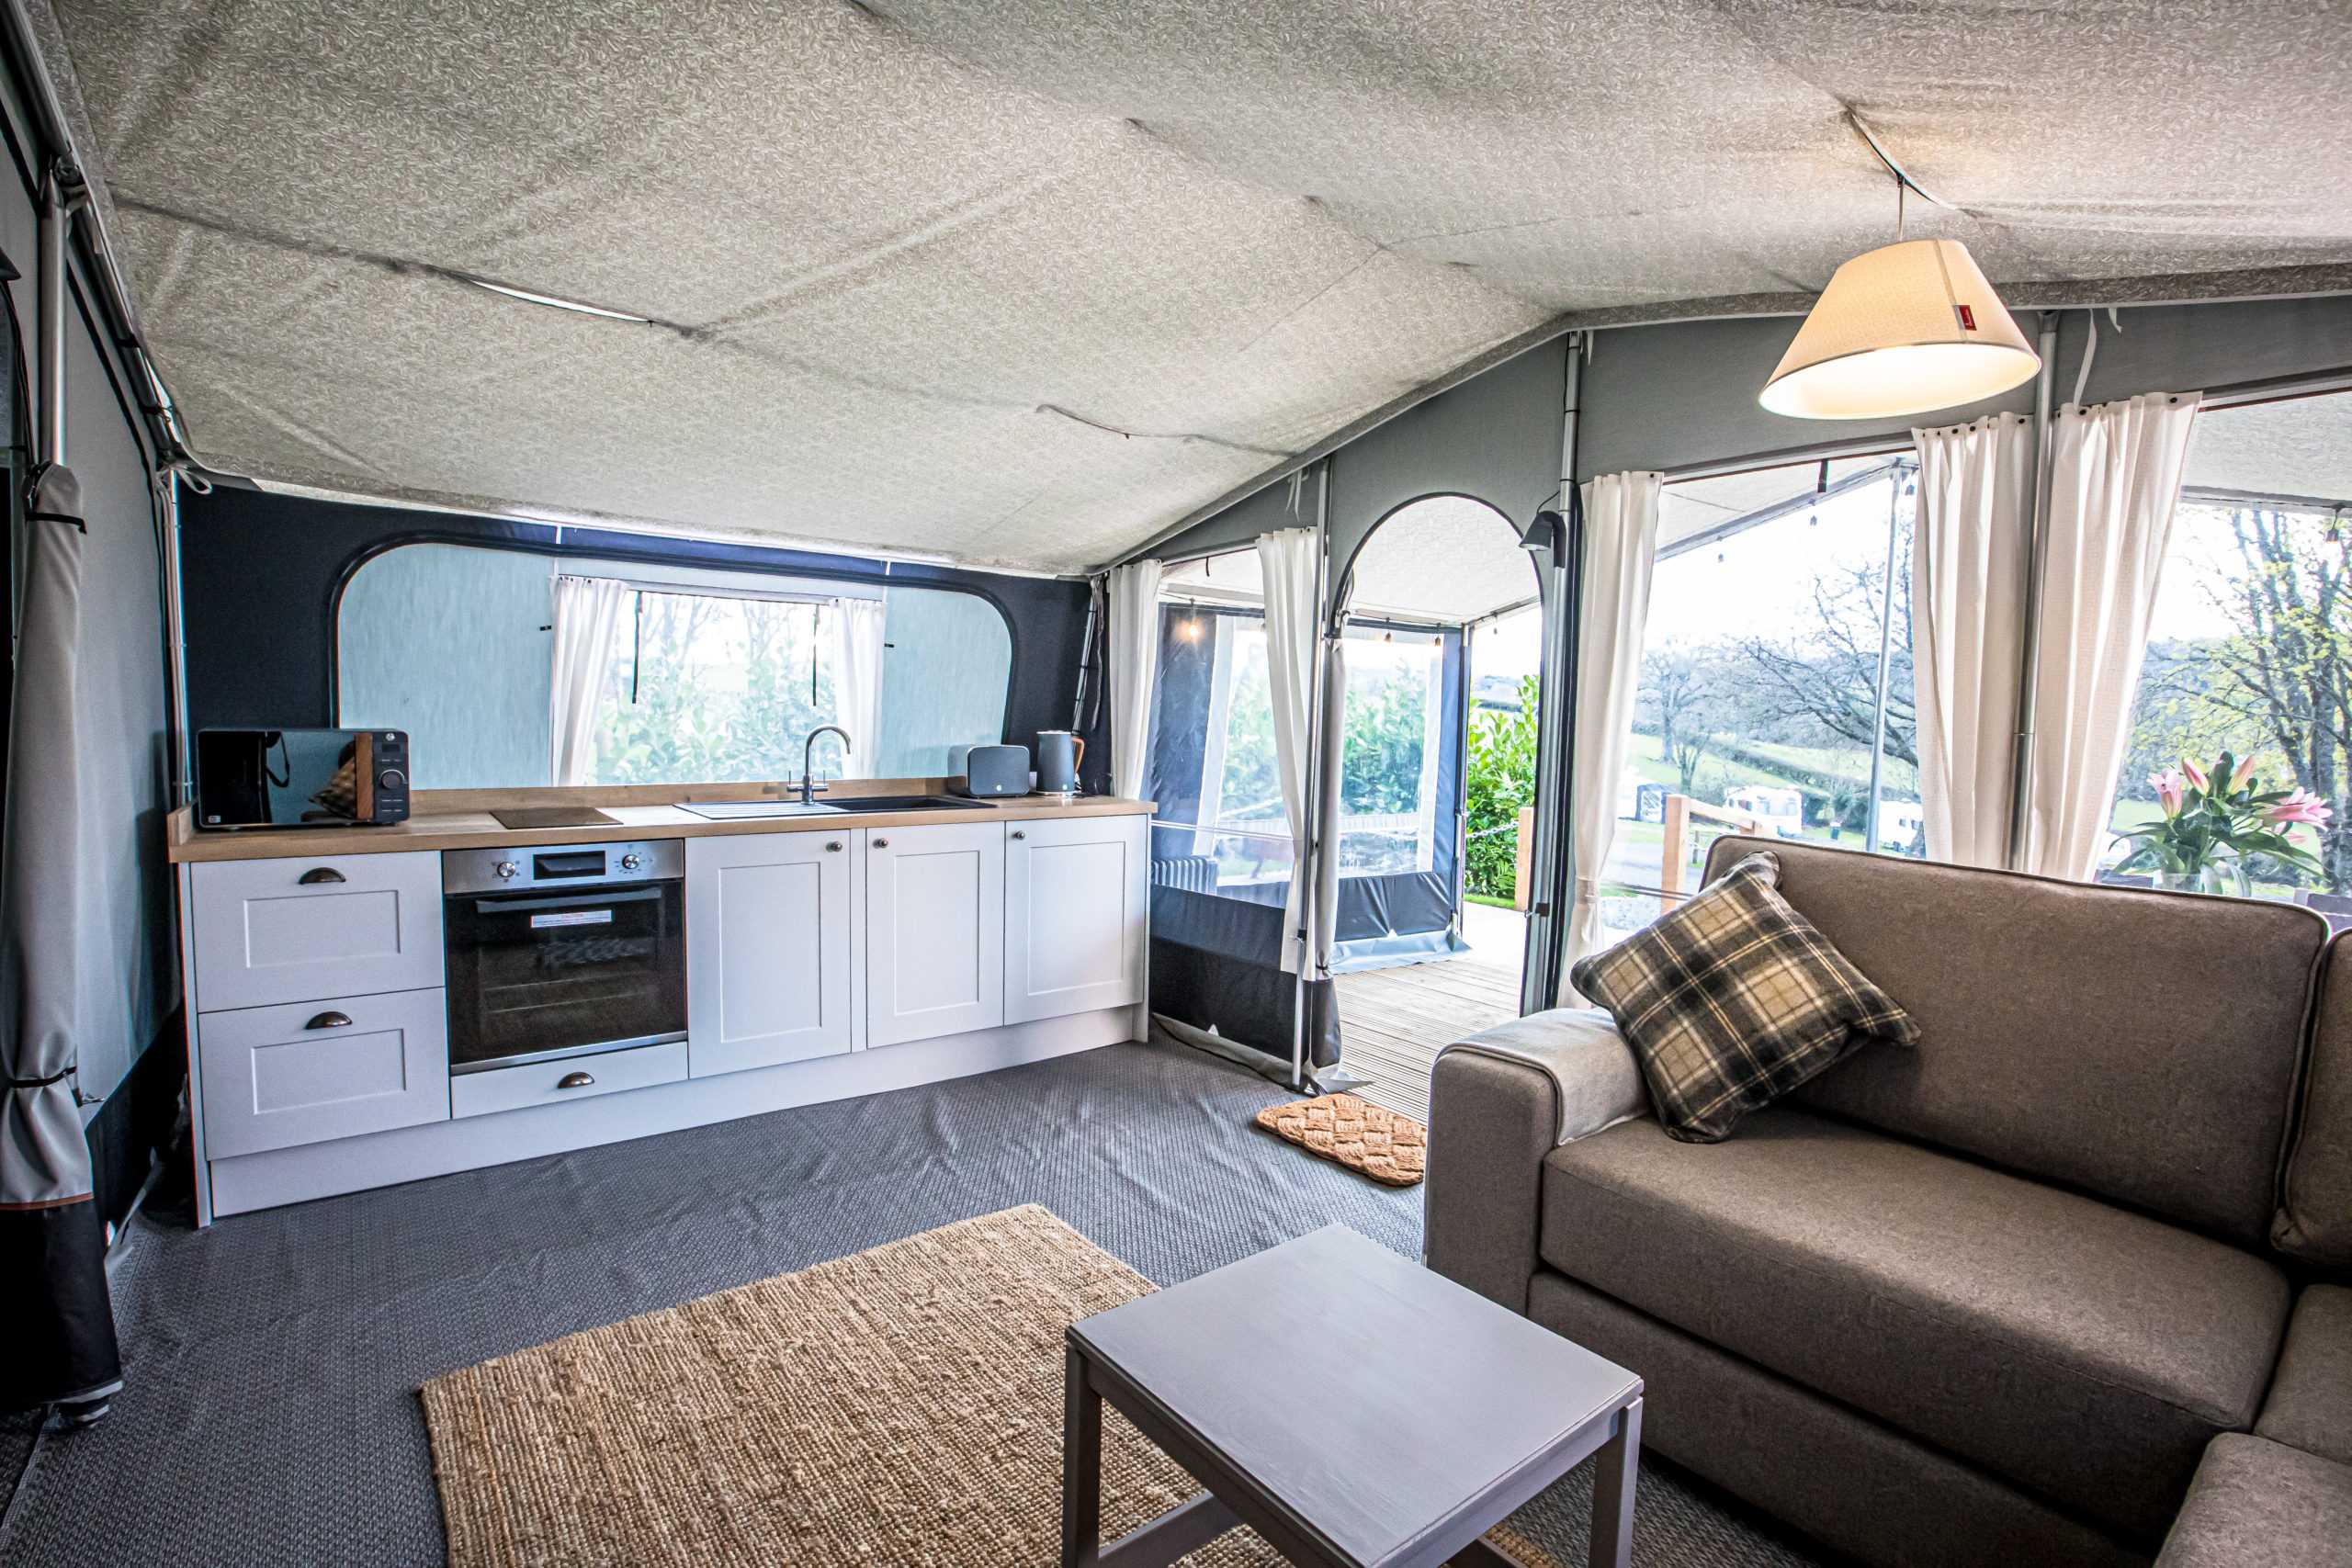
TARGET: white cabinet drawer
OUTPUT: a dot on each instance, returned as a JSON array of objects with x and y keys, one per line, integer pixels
[
  {"x": 571, "y": 1078},
  {"x": 281, "y": 1075},
  {"x": 291, "y": 931}
]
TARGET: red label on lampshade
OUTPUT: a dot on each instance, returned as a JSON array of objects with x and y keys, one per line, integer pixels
[{"x": 1967, "y": 318}]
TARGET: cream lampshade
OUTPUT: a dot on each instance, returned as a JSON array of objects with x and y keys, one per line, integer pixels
[{"x": 1900, "y": 330}]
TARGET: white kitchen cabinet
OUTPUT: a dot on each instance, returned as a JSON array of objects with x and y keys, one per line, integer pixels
[
  {"x": 276, "y": 1076},
  {"x": 768, "y": 926},
  {"x": 566, "y": 1079},
  {"x": 1077, "y": 892},
  {"x": 290, "y": 931},
  {"x": 934, "y": 931}
]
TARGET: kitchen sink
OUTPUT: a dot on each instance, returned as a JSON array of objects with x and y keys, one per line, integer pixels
[
  {"x": 911, "y": 803},
  {"x": 747, "y": 811}
]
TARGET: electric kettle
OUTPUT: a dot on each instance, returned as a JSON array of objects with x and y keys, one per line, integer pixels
[{"x": 1058, "y": 752}]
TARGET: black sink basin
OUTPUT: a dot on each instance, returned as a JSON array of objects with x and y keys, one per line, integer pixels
[{"x": 906, "y": 803}]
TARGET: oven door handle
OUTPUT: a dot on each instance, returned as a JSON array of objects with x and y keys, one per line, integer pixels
[{"x": 575, "y": 901}]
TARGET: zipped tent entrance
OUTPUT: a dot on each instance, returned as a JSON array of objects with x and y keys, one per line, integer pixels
[{"x": 1400, "y": 693}]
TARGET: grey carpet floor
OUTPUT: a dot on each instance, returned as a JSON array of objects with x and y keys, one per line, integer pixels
[{"x": 271, "y": 1414}]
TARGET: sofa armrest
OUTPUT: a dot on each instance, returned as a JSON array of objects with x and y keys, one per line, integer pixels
[
  {"x": 2310, "y": 1406},
  {"x": 1490, "y": 1126},
  {"x": 1499, "y": 1102},
  {"x": 2256, "y": 1504}
]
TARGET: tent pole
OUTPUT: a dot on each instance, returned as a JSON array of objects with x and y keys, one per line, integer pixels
[
  {"x": 1309, "y": 866},
  {"x": 1886, "y": 660},
  {"x": 56, "y": 218},
  {"x": 1555, "y": 697},
  {"x": 176, "y": 643},
  {"x": 2036, "y": 561}
]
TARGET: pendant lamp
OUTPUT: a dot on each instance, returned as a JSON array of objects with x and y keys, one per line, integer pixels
[{"x": 1901, "y": 330}]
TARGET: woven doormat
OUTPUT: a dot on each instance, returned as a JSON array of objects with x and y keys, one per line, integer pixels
[
  {"x": 1372, "y": 1139},
  {"x": 901, "y": 1408}
]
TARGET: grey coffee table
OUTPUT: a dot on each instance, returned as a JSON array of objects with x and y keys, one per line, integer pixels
[{"x": 1355, "y": 1409}]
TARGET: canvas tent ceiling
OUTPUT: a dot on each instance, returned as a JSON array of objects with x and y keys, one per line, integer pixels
[{"x": 892, "y": 251}]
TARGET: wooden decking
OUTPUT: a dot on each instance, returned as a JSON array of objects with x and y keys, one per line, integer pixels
[{"x": 1392, "y": 1022}]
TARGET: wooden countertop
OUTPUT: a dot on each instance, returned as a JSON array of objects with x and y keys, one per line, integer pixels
[{"x": 437, "y": 828}]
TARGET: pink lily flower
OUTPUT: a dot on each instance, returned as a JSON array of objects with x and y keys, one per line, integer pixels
[
  {"x": 2196, "y": 775},
  {"x": 2239, "y": 779},
  {"x": 2168, "y": 785},
  {"x": 2303, "y": 806}
]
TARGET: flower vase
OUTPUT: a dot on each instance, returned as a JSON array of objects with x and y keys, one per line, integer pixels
[{"x": 2214, "y": 876}]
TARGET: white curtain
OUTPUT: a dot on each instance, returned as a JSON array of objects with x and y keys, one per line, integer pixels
[
  {"x": 2114, "y": 480},
  {"x": 587, "y": 610},
  {"x": 1620, "y": 547},
  {"x": 857, "y": 679},
  {"x": 1133, "y": 652},
  {"x": 1287, "y": 561},
  {"x": 1967, "y": 623}
]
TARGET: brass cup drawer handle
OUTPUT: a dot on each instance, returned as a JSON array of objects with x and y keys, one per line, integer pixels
[
  {"x": 330, "y": 1021},
  {"x": 319, "y": 873},
  {"x": 576, "y": 1081}
]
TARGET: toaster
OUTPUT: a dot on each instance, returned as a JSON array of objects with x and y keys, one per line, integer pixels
[{"x": 986, "y": 773}]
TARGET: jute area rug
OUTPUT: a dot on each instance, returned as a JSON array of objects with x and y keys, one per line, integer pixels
[{"x": 900, "y": 1406}]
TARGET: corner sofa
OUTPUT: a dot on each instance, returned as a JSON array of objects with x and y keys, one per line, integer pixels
[{"x": 2015, "y": 1295}]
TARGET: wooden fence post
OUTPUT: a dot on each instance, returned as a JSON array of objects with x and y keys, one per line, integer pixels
[
  {"x": 1674, "y": 851},
  {"x": 1522, "y": 859}
]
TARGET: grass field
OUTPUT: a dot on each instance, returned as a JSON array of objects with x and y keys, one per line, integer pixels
[{"x": 1898, "y": 780}]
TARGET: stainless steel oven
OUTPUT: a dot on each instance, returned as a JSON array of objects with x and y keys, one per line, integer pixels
[{"x": 565, "y": 950}]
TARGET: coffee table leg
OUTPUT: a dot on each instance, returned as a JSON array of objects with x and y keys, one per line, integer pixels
[
  {"x": 1615, "y": 1467},
  {"x": 1082, "y": 1463}
]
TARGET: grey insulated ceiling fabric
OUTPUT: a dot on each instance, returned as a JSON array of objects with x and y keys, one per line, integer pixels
[{"x": 1023, "y": 281}]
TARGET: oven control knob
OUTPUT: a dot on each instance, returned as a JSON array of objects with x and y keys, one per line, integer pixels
[
  {"x": 508, "y": 870},
  {"x": 391, "y": 779},
  {"x": 632, "y": 862}
]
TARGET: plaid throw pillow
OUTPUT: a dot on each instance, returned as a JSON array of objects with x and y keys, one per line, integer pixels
[{"x": 1734, "y": 999}]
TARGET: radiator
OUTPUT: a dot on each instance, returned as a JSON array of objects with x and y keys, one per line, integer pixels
[{"x": 1193, "y": 873}]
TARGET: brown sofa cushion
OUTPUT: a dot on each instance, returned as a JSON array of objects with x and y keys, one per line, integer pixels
[
  {"x": 1733, "y": 1000},
  {"x": 2314, "y": 1218},
  {"x": 2085, "y": 1352},
  {"x": 2310, "y": 1405},
  {"x": 2139, "y": 1044},
  {"x": 2257, "y": 1503}
]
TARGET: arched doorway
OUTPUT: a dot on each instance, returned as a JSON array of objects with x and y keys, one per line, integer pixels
[{"x": 1442, "y": 646}]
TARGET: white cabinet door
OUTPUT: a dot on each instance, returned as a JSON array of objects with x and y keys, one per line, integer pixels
[
  {"x": 291, "y": 931},
  {"x": 281, "y": 1075},
  {"x": 1077, "y": 894},
  {"x": 934, "y": 931},
  {"x": 768, "y": 923}
]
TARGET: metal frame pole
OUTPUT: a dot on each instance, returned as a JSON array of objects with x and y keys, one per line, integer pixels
[
  {"x": 2036, "y": 548},
  {"x": 1885, "y": 658},
  {"x": 1308, "y": 870},
  {"x": 1556, "y": 718},
  {"x": 56, "y": 217},
  {"x": 183, "y": 780}
]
